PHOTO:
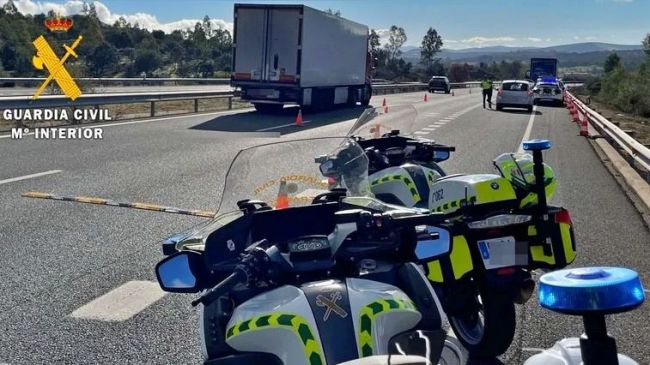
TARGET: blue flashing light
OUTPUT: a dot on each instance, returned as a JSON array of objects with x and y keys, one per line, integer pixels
[
  {"x": 591, "y": 290},
  {"x": 550, "y": 80},
  {"x": 537, "y": 144}
]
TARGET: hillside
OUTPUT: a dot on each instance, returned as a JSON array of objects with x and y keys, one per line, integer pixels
[{"x": 570, "y": 55}]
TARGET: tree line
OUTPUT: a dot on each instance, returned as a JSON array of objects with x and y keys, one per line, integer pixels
[
  {"x": 388, "y": 63},
  {"x": 127, "y": 50},
  {"x": 120, "y": 49},
  {"x": 627, "y": 90}
]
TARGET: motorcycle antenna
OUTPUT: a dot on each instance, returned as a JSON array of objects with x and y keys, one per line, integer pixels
[{"x": 114, "y": 203}]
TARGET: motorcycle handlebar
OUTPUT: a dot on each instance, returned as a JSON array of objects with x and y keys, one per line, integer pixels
[{"x": 237, "y": 277}]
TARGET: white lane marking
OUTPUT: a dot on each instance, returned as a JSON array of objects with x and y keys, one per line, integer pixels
[
  {"x": 428, "y": 129},
  {"x": 441, "y": 123},
  {"x": 121, "y": 303},
  {"x": 529, "y": 129},
  {"x": 432, "y": 114},
  {"x": 280, "y": 126},
  {"x": 13, "y": 179},
  {"x": 117, "y": 124},
  {"x": 445, "y": 120},
  {"x": 422, "y": 132}
]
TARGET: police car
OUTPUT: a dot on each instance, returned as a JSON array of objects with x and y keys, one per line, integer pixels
[{"x": 548, "y": 90}]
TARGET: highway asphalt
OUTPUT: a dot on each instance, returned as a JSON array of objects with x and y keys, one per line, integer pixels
[{"x": 59, "y": 256}]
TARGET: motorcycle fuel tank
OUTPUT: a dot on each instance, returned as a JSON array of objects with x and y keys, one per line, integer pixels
[
  {"x": 407, "y": 185},
  {"x": 324, "y": 322}
]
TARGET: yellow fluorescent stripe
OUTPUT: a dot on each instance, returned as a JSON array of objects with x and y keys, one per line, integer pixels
[
  {"x": 565, "y": 233},
  {"x": 435, "y": 271},
  {"x": 487, "y": 194},
  {"x": 537, "y": 252},
  {"x": 461, "y": 259}
]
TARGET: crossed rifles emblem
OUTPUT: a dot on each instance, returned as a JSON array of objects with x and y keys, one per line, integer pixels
[
  {"x": 330, "y": 304},
  {"x": 46, "y": 58}
]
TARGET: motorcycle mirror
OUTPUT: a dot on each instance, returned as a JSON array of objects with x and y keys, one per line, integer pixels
[
  {"x": 432, "y": 241},
  {"x": 180, "y": 272},
  {"x": 439, "y": 156},
  {"x": 327, "y": 168}
]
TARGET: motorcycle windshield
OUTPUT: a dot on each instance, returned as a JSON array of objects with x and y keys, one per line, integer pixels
[
  {"x": 283, "y": 175},
  {"x": 286, "y": 174},
  {"x": 375, "y": 122}
]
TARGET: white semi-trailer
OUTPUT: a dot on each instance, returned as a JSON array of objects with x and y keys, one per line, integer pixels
[{"x": 293, "y": 54}]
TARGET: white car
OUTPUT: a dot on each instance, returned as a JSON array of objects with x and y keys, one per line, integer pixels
[{"x": 515, "y": 94}]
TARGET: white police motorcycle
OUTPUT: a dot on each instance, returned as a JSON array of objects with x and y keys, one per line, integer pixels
[{"x": 299, "y": 274}]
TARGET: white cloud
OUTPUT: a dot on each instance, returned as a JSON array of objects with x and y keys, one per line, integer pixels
[
  {"x": 577, "y": 38},
  {"x": 590, "y": 38},
  {"x": 145, "y": 20},
  {"x": 480, "y": 41},
  {"x": 533, "y": 39},
  {"x": 383, "y": 35}
]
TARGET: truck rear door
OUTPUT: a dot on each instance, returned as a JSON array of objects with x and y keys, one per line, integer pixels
[
  {"x": 283, "y": 42},
  {"x": 250, "y": 41}
]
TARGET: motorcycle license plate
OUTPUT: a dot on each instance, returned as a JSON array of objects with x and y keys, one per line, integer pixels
[{"x": 502, "y": 252}]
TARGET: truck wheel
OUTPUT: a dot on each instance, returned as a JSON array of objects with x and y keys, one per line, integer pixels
[
  {"x": 268, "y": 108},
  {"x": 488, "y": 330}
]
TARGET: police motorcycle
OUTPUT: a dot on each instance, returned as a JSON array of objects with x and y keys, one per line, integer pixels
[
  {"x": 290, "y": 272},
  {"x": 503, "y": 228}
]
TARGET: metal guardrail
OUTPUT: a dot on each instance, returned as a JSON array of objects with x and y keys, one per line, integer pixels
[
  {"x": 635, "y": 150},
  {"x": 97, "y": 100},
  {"x": 121, "y": 80}
]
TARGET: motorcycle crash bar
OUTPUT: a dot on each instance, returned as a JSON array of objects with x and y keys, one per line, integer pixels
[{"x": 113, "y": 203}]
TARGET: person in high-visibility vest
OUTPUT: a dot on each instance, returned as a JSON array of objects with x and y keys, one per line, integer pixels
[{"x": 487, "y": 86}]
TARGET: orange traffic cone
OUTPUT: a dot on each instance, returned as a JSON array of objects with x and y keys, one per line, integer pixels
[
  {"x": 384, "y": 102},
  {"x": 426, "y": 98},
  {"x": 299, "y": 118},
  {"x": 282, "y": 201},
  {"x": 584, "y": 127},
  {"x": 386, "y": 109},
  {"x": 576, "y": 115}
]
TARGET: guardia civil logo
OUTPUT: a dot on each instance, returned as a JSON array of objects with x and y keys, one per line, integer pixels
[{"x": 47, "y": 60}]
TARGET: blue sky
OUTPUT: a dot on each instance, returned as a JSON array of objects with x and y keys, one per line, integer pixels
[{"x": 462, "y": 23}]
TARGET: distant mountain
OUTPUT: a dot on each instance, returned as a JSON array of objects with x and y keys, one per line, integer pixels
[
  {"x": 591, "y": 47},
  {"x": 505, "y": 52}
]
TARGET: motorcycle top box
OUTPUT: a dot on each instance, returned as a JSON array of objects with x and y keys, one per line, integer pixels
[{"x": 483, "y": 192}]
